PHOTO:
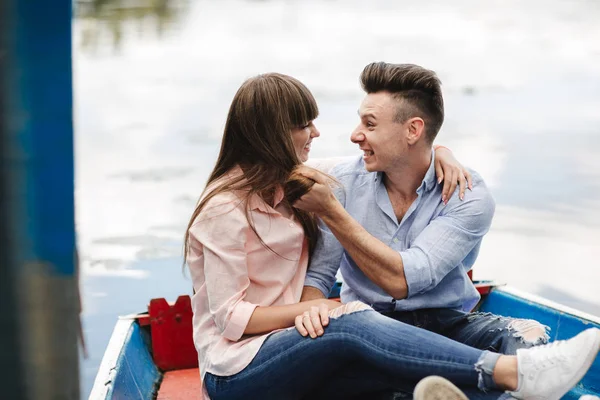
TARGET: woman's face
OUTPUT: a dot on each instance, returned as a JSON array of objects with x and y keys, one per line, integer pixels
[{"x": 302, "y": 138}]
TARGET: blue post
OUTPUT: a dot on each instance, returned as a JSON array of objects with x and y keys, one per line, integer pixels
[{"x": 39, "y": 301}]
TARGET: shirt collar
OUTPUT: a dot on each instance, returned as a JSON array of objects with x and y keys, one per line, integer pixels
[
  {"x": 257, "y": 203},
  {"x": 429, "y": 181}
]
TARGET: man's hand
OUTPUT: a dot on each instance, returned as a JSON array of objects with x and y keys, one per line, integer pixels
[
  {"x": 313, "y": 322},
  {"x": 320, "y": 199}
]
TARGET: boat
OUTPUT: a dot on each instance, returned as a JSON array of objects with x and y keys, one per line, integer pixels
[{"x": 151, "y": 355}]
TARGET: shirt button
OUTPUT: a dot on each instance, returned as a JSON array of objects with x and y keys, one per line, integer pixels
[
  {"x": 396, "y": 240},
  {"x": 292, "y": 225}
]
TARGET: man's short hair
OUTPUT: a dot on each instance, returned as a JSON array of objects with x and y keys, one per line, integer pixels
[{"x": 418, "y": 90}]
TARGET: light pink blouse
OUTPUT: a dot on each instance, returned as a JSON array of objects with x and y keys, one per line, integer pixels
[{"x": 233, "y": 273}]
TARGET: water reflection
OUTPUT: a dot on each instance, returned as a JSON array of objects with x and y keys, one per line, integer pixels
[
  {"x": 106, "y": 22},
  {"x": 154, "y": 80}
]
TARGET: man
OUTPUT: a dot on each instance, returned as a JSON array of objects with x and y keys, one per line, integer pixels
[{"x": 402, "y": 247}]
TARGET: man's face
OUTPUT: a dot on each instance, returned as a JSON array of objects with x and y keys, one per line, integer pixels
[{"x": 382, "y": 139}]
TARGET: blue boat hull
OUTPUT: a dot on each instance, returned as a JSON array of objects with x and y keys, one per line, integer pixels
[{"x": 129, "y": 372}]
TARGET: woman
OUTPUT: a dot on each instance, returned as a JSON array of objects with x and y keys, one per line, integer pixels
[{"x": 248, "y": 250}]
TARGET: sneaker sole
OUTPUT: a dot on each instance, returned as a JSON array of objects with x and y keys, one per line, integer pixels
[{"x": 437, "y": 388}]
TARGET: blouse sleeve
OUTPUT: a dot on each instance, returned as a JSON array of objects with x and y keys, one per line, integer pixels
[{"x": 223, "y": 238}]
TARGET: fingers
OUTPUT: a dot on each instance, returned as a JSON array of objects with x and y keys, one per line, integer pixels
[
  {"x": 469, "y": 179},
  {"x": 324, "y": 314},
  {"x": 462, "y": 181},
  {"x": 439, "y": 172},
  {"x": 453, "y": 185},
  {"x": 305, "y": 323},
  {"x": 312, "y": 174},
  {"x": 449, "y": 186},
  {"x": 315, "y": 319},
  {"x": 460, "y": 178},
  {"x": 300, "y": 326},
  {"x": 311, "y": 323}
]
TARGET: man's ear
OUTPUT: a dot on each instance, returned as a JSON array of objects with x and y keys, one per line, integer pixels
[{"x": 416, "y": 129}]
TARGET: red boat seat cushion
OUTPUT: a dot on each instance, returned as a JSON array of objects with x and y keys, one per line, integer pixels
[{"x": 181, "y": 384}]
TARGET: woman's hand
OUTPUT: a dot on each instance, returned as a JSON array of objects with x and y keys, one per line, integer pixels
[
  {"x": 449, "y": 170},
  {"x": 314, "y": 321}
]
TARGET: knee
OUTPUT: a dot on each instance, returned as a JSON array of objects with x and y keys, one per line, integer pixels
[{"x": 528, "y": 332}]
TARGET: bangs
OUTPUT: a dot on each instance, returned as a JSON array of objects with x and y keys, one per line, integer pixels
[{"x": 302, "y": 106}]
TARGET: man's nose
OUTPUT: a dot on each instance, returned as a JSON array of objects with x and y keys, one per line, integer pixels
[{"x": 357, "y": 136}]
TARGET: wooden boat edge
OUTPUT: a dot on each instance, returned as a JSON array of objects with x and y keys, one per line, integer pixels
[{"x": 125, "y": 349}]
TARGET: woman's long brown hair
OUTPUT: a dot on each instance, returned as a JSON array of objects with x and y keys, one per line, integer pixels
[{"x": 258, "y": 138}]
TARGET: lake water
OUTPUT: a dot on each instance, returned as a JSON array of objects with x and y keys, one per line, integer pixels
[{"x": 154, "y": 79}]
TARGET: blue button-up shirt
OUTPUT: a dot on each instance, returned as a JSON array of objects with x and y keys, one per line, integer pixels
[{"x": 438, "y": 243}]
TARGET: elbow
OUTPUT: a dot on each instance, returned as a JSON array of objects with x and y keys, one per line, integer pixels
[
  {"x": 232, "y": 332},
  {"x": 234, "y": 327},
  {"x": 311, "y": 293},
  {"x": 398, "y": 286},
  {"x": 398, "y": 292}
]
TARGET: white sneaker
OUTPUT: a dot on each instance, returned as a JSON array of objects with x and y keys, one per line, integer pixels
[
  {"x": 551, "y": 370},
  {"x": 437, "y": 388}
]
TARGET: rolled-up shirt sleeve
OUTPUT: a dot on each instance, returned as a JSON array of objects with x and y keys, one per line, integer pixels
[
  {"x": 223, "y": 239},
  {"x": 447, "y": 240}
]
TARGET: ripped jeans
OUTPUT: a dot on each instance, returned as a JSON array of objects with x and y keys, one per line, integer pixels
[
  {"x": 361, "y": 353},
  {"x": 483, "y": 331}
]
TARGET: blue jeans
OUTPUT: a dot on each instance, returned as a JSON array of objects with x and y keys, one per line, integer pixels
[
  {"x": 483, "y": 331},
  {"x": 362, "y": 352}
]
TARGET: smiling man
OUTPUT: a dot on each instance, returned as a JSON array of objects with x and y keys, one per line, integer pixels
[{"x": 401, "y": 246}]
